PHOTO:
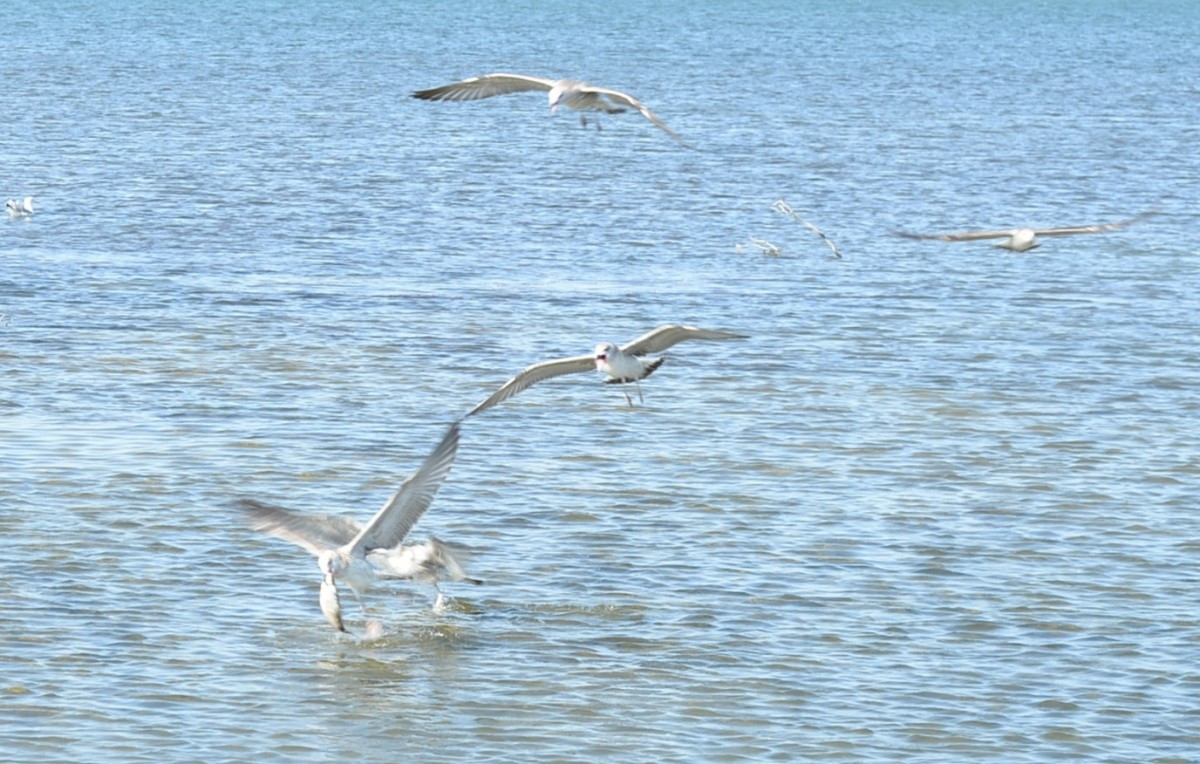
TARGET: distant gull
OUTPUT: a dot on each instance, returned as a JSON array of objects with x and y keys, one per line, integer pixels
[
  {"x": 767, "y": 247},
  {"x": 570, "y": 93},
  {"x": 783, "y": 207},
  {"x": 622, "y": 364},
  {"x": 21, "y": 209},
  {"x": 349, "y": 550},
  {"x": 1024, "y": 239}
]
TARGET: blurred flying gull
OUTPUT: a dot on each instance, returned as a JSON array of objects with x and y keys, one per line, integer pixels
[
  {"x": 783, "y": 207},
  {"x": 352, "y": 552},
  {"x": 1025, "y": 239},
  {"x": 570, "y": 93},
  {"x": 767, "y": 247},
  {"x": 622, "y": 364},
  {"x": 19, "y": 209}
]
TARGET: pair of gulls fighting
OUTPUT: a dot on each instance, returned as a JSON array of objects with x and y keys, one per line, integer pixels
[
  {"x": 359, "y": 554},
  {"x": 19, "y": 209}
]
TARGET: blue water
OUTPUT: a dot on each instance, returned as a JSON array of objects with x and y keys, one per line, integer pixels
[{"x": 940, "y": 505}]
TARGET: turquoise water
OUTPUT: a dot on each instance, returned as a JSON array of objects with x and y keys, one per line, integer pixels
[{"x": 940, "y": 506}]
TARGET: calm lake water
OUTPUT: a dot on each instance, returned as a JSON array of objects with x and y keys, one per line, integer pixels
[{"x": 940, "y": 506}]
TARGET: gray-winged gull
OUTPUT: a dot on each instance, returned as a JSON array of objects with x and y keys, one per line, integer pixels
[
  {"x": 19, "y": 209},
  {"x": 573, "y": 94},
  {"x": 1024, "y": 239},
  {"x": 350, "y": 551},
  {"x": 622, "y": 364}
]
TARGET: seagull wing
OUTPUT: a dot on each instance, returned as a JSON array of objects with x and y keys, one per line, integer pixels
[
  {"x": 486, "y": 86},
  {"x": 316, "y": 533},
  {"x": 452, "y": 557},
  {"x": 534, "y": 374},
  {"x": 665, "y": 336},
  {"x": 1099, "y": 228},
  {"x": 396, "y": 518},
  {"x": 821, "y": 233},
  {"x": 964, "y": 236},
  {"x": 625, "y": 98}
]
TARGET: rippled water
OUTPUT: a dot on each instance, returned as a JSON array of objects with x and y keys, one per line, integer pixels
[{"x": 941, "y": 505}]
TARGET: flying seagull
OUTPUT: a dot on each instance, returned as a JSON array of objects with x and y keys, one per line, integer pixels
[
  {"x": 349, "y": 550},
  {"x": 767, "y": 247},
  {"x": 784, "y": 208},
  {"x": 19, "y": 209},
  {"x": 570, "y": 93},
  {"x": 1024, "y": 239},
  {"x": 622, "y": 364}
]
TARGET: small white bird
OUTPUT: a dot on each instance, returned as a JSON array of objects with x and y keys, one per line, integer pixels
[
  {"x": 21, "y": 209},
  {"x": 622, "y": 364},
  {"x": 1025, "y": 239},
  {"x": 343, "y": 546},
  {"x": 570, "y": 93}
]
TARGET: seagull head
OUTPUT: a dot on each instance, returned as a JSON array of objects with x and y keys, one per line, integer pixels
[
  {"x": 330, "y": 563},
  {"x": 603, "y": 352}
]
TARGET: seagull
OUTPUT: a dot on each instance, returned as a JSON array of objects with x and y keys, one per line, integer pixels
[
  {"x": 622, "y": 364},
  {"x": 570, "y": 93},
  {"x": 1024, "y": 239},
  {"x": 767, "y": 247},
  {"x": 427, "y": 563},
  {"x": 21, "y": 209},
  {"x": 343, "y": 546},
  {"x": 785, "y": 208}
]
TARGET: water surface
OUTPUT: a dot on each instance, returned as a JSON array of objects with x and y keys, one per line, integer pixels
[{"x": 935, "y": 508}]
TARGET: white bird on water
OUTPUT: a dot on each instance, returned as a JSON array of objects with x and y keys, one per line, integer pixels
[
  {"x": 19, "y": 209},
  {"x": 622, "y": 364},
  {"x": 570, "y": 93},
  {"x": 1025, "y": 239},
  {"x": 352, "y": 552}
]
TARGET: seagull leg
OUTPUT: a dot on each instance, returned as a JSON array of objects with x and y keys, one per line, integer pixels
[
  {"x": 638, "y": 385},
  {"x": 439, "y": 605},
  {"x": 627, "y": 398}
]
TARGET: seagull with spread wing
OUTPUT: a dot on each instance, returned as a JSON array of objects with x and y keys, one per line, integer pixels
[
  {"x": 357, "y": 553},
  {"x": 1025, "y": 239},
  {"x": 570, "y": 93},
  {"x": 622, "y": 364}
]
